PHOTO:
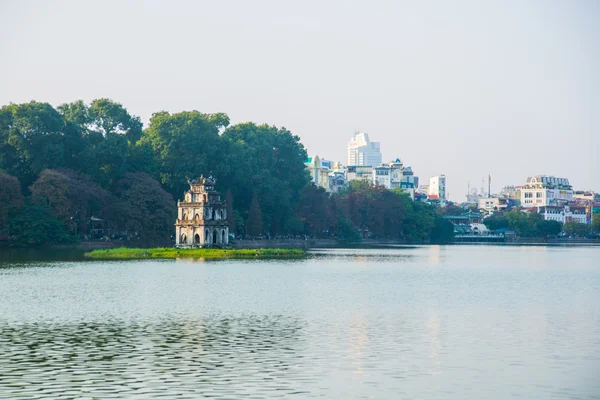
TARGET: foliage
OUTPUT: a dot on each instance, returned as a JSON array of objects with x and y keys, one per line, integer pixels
[
  {"x": 364, "y": 210},
  {"x": 34, "y": 225},
  {"x": 11, "y": 199},
  {"x": 347, "y": 232},
  {"x": 496, "y": 221},
  {"x": 450, "y": 210},
  {"x": 442, "y": 232},
  {"x": 72, "y": 197},
  {"x": 312, "y": 210},
  {"x": 254, "y": 225},
  {"x": 576, "y": 228},
  {"x": 269, "y": 162},
  {"x": 143, "y": 208},
  {"x": 187, "y": 144},
  {"x": 526, "y": 224},
  {"x": 548, "y": 228},
  {"x": 229, "y": 211},
  {"x": 82, "y": 160},
  {"x": 596, "y": 223},
  {"x": 31, "y": 140}
]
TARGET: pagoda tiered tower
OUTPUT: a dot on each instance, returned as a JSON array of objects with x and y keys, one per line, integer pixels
[{"x": 201, "y": 216}]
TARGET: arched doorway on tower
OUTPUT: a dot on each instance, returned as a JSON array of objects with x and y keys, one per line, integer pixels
[
  {"x": 196, "y": 239},
  {"x": 214, "y": 238}
]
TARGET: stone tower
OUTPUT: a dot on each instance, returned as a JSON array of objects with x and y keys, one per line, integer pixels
[{"x": 201, "y": 216}]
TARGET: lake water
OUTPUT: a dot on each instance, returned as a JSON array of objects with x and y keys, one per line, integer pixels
[{"x": 455, "y": 322}]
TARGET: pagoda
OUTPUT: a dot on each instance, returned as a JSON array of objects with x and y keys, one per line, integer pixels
[{"x": 201, "y": 216}]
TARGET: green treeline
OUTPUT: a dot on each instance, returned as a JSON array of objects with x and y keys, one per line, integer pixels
[
  {"x": 67, "y": 170},
  {"x": 529, "y": 224}
]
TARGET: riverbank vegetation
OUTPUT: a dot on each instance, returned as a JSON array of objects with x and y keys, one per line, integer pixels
[
  {"x": 530, "y": 224},
  {"x": 91, "y": 171},
  {"x": 123, "y": 253}
]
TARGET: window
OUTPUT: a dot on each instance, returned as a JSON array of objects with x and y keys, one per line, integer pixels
[{"x": 538, "y": 195}]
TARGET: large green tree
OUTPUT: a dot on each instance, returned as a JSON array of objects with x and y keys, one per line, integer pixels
[
  {"x": 31, "y": 140},
  {"x": 186, "y": 145},
  {"x": 268, "y": 161},
  {"x": 34, "y": 225},
  {"x": 108, "y": 139}
]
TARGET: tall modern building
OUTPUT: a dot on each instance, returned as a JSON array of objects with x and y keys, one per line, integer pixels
[{"x": 361, "y": 151}]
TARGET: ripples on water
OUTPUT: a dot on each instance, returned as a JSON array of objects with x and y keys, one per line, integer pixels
[{"x": 427, "y": 323}]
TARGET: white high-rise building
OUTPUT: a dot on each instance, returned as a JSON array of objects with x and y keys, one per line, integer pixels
[
  {"x": 361, "y": 151},
  {"x": 437, "y": 187}
]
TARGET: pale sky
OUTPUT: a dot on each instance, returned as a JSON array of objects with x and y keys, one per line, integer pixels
[{"x": 464, "y": 88}]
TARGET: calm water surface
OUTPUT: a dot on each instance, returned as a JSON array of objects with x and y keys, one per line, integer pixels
[{"x": 433, "y": 322}]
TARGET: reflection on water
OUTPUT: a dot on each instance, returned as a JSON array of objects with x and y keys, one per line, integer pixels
[
  {"x": 190, "y": 358},
  {"x": 418, "y": 322}
]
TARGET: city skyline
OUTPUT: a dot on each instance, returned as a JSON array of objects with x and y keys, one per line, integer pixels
[{"x": 464, "y": 89}]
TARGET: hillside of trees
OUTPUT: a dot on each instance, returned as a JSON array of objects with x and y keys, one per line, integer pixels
[{"x": 65, "y": 170}]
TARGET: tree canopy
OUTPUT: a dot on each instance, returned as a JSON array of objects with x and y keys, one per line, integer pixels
[{"x": 85, "y": 164}]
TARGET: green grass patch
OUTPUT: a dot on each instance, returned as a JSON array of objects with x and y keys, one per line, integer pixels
[{"x": 123, "y": 253}]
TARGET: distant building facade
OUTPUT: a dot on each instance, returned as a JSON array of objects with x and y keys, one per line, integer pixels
[
  {"x": 319, "y": 171},
  {"x": 363, "y": 152},
  {"x": 564, "y": 214},
  {"x": 395, "y": 175},
  {"x": 359, "y": 172},
  {"x": 201, "y": 216},
  {"x": 437, "y": 188},
  {"x": 544, "y": 190},
  {"x": 337, "y": 181},
  {"x": 490, "y": 204}
]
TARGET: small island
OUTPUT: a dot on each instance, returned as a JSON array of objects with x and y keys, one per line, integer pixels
[{"x": 123, "y": 253}]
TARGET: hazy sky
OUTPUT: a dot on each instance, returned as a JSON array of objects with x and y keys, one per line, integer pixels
[{"x": 465, "y": 88}]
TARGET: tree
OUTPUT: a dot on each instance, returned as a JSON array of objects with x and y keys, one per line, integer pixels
[
  {"x": 143, "y": 208},
  {"x": 547, "y": 228},
  {"x": 450, "y": 210},
  {"x": 229, "y": 211},
  {"x": 347, "y": 231},
  {"x": 11, "y": 200},
  {"x": 34, "y": 225},
  {"x": 109, "y": 117},
  {"x": 524, "y": 223},
  {"x": 109, "y": 135},
  {"x": 312, "y": 210},
  {"x": 187, "y": 144},
  {"x": 73, "y": 197},
  {"x": 576, "y": 228},
  {"x": 254, "y": 224},
  {"x": 495, "y": 222},
  {"x": 442, "y": 232},
  {"x": 268, "y": 161},
  {"x": 31, "y": 139},
  {"x": 596, "y": 223}
]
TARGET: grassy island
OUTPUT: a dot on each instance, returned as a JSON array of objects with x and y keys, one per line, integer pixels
[{"x": 123, "y": 253}]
